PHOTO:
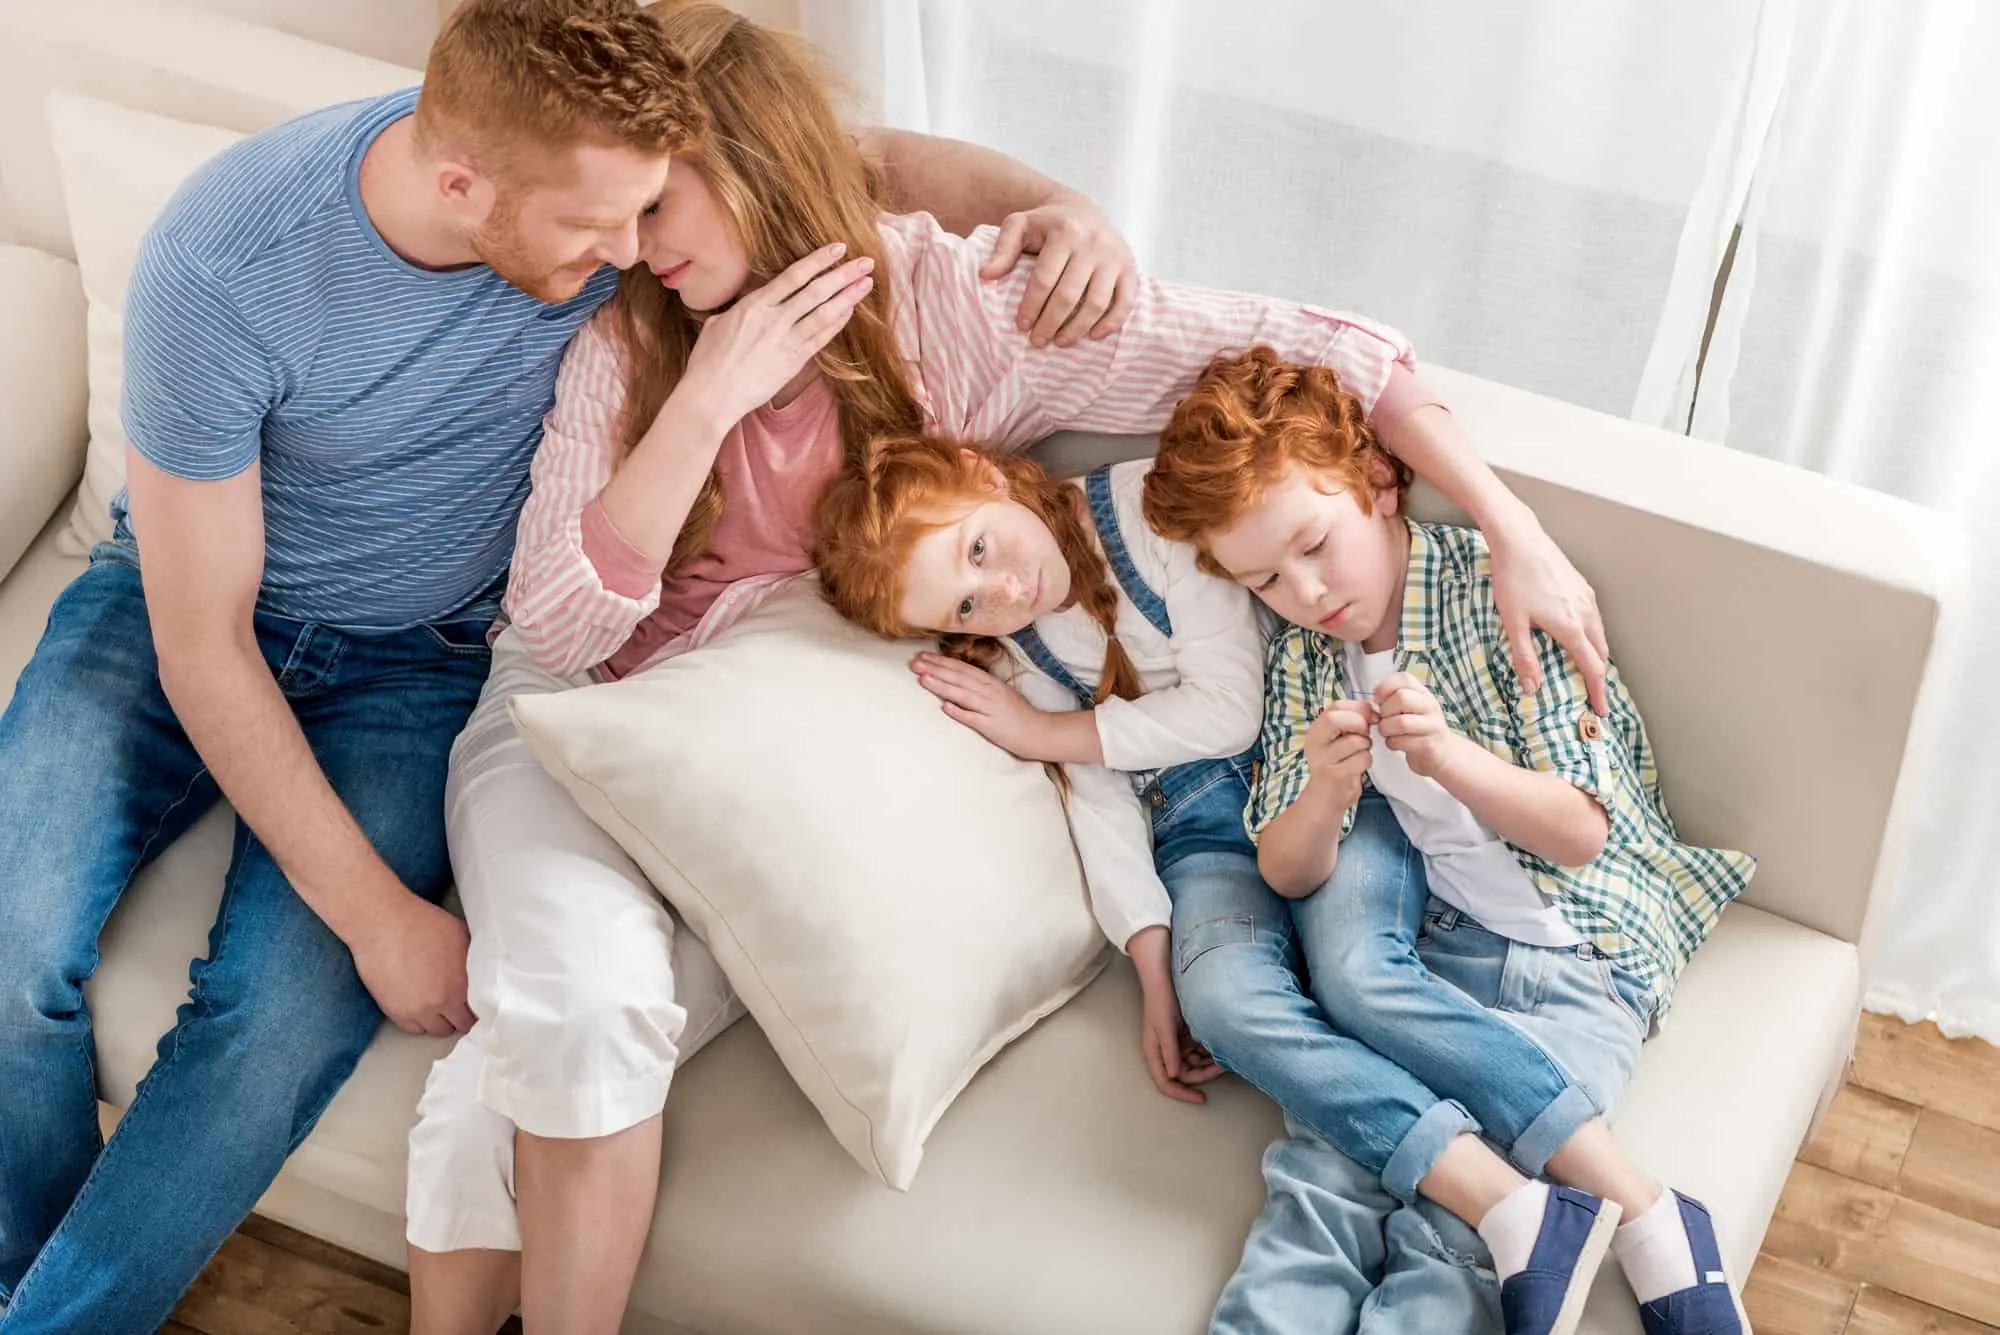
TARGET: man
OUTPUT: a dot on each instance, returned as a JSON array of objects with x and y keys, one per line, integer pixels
[{"x": 342, "y": 336}]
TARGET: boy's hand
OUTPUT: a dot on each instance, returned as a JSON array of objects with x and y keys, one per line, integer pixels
[
  {"x": 1177, "y": 1063},
  {"x": 1338, "y": 748},
  {"x": 1413, "y": 724}
]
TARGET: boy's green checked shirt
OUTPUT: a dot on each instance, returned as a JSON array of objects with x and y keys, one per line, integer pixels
[{"x": 1648, "y": 900}]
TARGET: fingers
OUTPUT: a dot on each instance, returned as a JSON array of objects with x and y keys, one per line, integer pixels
[
  {"x": 949, "y": 679},
  {"x": 835, "y": 282},
  {"x": 1409, "y": 698},
  {"x": 1349, "y": 748},
  {"x": 1399, "y": 726},
  {"x": 1521, "y": 649},
  {"x": 817, "y": 329},
  {"x": 801, "y": 272},
  {"x": 1069, "y": 292},
  {"x": 1124, "y": 297},
  {"x": 1593, "y": 662},
  {"x": 1394, "y": 686},
  {"x": 1090, "y": 311},
  {"x": 461, "y": 1017},
  {"x": 1042, "y": 281},
  {"x": 1007, "y": 249}
]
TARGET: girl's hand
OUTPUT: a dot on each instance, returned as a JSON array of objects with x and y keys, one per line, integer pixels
[
  {"x": 748, "y": 353},
  {"x": 1535, "y": 585},
  {"x": 985, "y": 704},
  {"x": 1177, "y": 1063},
  {"x": 1413, "y": 723}
]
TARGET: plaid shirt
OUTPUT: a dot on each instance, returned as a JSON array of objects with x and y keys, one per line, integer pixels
[{"x": 1648, "y": 900}]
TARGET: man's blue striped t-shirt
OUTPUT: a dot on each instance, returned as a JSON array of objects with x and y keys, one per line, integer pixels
[{"x": 395, "y": 409}]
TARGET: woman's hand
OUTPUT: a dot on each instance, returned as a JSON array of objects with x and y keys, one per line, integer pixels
[
  {"x": 750, "y": 352},
  {"x": 1177, "y": 1063},
  {"x": 1535, "y": 585},
  {"x": 987, "y": 705}
]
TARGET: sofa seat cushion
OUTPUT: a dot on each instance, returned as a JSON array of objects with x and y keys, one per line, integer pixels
[{"x": 1061, "y": 1193}]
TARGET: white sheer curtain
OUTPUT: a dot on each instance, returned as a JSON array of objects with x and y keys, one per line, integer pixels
[
  {"x": 1544, "y": 192},
  {"x": 1507, "y": 182},
  {"x": 1859, "y": 335}
]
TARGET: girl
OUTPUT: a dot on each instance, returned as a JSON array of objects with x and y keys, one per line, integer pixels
[
  {"x": 697, "y": 420},
  {"x": 1073, "y": 634}
]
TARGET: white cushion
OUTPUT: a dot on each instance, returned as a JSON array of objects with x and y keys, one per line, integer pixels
[
  {"x": 119, "y": 168},
  {"x": 894, "y": 899},
  {"x": 41, "y": 392}
]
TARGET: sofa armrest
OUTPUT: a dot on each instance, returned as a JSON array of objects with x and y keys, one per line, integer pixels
[
  {"x": 42, "y": 393},
  {"x": 1775, "y": 627}
]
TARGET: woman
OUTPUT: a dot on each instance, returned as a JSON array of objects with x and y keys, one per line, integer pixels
[{"x": 697, "y": 420}]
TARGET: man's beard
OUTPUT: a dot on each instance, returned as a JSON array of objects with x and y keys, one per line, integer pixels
[{"x": 498, "y": 245}]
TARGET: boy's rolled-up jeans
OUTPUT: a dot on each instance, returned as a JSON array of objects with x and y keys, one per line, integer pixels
[{"x": 1242, "y": 953}]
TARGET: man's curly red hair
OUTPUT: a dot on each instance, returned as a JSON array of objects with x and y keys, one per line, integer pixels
[{"x": 1249, "y": 418}]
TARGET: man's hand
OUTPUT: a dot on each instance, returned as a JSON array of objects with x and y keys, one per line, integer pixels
[
  {"x": 1338, "y": 748},
  {"x": 1413, "y": 724},
  {"x": 1085, "y": 278},
  {"x": 1177, "y": 1063},
  {"x": 412, "y": 961},
  {"x": 1534, "y": 584}
]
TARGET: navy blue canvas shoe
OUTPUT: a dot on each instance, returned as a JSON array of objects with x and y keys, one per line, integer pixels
[
  {"x": 1547, "y": 1298},
  {"x": 1712, "y": 1306}
]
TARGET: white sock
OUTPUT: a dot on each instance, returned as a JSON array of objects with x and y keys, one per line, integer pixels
[
  {"x": 1511, "y": 1227},
  {"x": 1654, "y": 1250}
]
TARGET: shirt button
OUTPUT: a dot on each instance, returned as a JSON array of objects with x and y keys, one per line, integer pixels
[{"x": 1587, "y": 727}]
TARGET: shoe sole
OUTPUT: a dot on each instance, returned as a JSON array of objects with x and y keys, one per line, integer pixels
[{"x": 1588, "y": 1262}]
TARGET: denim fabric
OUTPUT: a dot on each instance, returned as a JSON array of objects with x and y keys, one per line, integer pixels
[
  {"x": 1359, "y": 934},
  {"x": 1333, "y": 1251},
  {"x": 96, "y": 779}
]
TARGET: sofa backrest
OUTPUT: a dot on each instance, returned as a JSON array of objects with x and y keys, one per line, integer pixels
[
  {"x": 186, "y": 63},
  {"x": 1774, "y": 626}
]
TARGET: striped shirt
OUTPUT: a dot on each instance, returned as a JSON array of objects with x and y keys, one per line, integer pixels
[
  {"x": 581, "y": 597},
  {"x": 394, "y": 409},
  {"x": 1648, "y": 900}
]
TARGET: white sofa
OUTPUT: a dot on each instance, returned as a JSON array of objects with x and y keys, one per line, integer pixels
[{"x": 1775, "y": 626}]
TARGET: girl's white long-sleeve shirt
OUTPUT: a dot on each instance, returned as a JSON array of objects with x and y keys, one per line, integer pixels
[{"x": 1203, "y": 698}]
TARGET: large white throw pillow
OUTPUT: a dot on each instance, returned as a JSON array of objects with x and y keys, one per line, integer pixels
[
  {"x": 119, "y": 168},
  {"x": 894, "y": 899}
]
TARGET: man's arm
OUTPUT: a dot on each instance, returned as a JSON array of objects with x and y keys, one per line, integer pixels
[
  {"x": 202, "y": 565},
  {"x": 1085, "y": 276},
  {"x": 1533, "y": 581}
]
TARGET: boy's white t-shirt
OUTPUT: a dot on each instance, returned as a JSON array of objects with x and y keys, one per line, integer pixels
[{"x": 1469, "y": 867}]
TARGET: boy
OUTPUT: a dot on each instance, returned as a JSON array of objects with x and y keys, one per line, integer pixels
[{"x": 1552, "y": 885}]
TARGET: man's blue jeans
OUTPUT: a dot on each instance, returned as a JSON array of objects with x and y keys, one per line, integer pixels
[
  {"x": 1334, "y": 1251},
  {"x": 96, "y": 779}
]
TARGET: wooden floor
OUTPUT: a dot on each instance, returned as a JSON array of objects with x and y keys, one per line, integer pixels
[{"x": 1890, "y": 1224}]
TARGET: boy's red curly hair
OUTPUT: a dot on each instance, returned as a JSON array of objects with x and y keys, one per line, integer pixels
[{"x": 1249, "y": 418}]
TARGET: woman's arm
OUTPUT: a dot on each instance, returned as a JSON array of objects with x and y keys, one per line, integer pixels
[{"x": 578, "y": 589}]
